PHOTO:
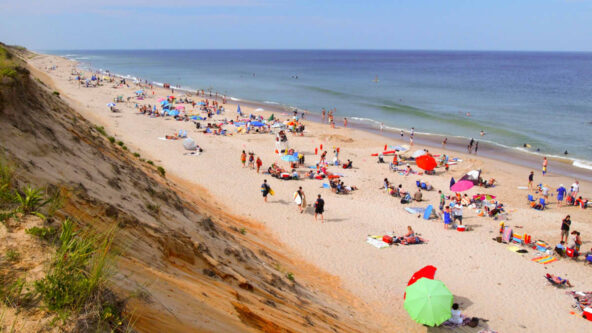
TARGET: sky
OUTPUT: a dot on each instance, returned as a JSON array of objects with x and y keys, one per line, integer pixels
[{"x": 545, "y": 25}]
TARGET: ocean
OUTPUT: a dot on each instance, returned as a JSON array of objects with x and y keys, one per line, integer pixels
[{"x": 542, "y": 99}]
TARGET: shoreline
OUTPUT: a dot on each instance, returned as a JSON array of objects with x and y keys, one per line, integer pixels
[
  {"x": 514, "y": 155},
  {"x": 481, "y": 274}
]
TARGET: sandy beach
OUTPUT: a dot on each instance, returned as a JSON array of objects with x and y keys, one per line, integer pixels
[{"x": 488, "y": 280}]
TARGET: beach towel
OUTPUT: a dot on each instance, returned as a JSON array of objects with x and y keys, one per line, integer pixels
[
  {"x": 415, "y": 210},
  {"x": 326, "y": 185},
  {"x": 507, "y": 235},
  {"x": 544, "y": 259},
  {"x": 378, "y": 243}
]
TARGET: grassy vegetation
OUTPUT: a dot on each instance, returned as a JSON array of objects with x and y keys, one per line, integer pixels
[
  {"x": 101, "y": 130},
  {"x": 30, "y": 201},
  {"x": 150, "y": 162},
  {"x": 77, "y": 272},
  {"x": 44, "y": 233},
  {"x": 290, "y": 276},
  {"x": 120, "y": 143},
  {"x": 136, "y": 154},
  {"x": 56, "y": 93},
  {"x": 7, "y": 64},
  {"x": 243, "y": 231},
  {"x": 13, "y": 255},
  {"x": 111, "y": 139},
  {"x": 161, "y": 171}
]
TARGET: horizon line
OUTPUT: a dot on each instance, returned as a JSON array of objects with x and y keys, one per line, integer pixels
[{"x": 313, "y": 49}]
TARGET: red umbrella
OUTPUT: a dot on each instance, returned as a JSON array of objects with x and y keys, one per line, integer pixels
[
  {"x": 427, "y": 272},
  {"x": 426, "y": 162}
]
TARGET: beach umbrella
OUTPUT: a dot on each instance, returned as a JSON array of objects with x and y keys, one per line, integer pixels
[
  {"x": 180, "y": 107},
  {"x": 189, "y": 144},
  {"x": 452, "y": 181},
  {"x": 111, "y": 105},
  {"x": 290, "y": 158},
  {"x": 238, "y": 109},
  {"x": 164, "y": 101},
  {"x": 272, "y": 117},
  {"x": 419, "y": 153},
  {"x": 461, "y": 186},
  {"x": 428, "y": 302},
  {"x": 427, "y": 272},
  {"x": 426, "y": 162},
  {"x": 257, "y": 124},
  {"x": 399, "y": 148},
  {"x": 472, "y": 176}
]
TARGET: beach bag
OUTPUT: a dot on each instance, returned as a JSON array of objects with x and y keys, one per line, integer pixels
[
  {"x": 570, "y": 252},
  {"x": 474, "y": 322}
]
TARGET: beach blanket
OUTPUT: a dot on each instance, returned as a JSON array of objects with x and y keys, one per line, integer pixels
[
  {"x": 415, "y": 210},
  {"x": 378, "y": 243},
  {"x": 507, "y": 235},
  {"x": 544, "y": 259}
]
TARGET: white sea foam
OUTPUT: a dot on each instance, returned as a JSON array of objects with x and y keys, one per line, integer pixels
[
  {"x": 235, "y": 99},
  {"x": 270, "y": 102},
  {"x": 583, "y": 164}
]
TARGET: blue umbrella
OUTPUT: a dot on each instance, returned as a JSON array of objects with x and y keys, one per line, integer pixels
[
  {"x": 111, "y": 105},
  {"x": 290, "y": 158},
  {"x": 257, "y": 124},
  {"x": 238, "y": 110}
]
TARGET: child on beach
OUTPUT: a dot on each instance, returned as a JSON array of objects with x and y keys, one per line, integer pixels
[
  {"x": 258, "y": 163},
  {"x": 545, "y": 162},
  {"x": 243, "y": 158}
]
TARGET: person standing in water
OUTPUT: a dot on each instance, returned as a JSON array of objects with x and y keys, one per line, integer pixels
[
  {"x": 476, "y": 147},
  {"x": 345, "y": 122},
  {"x": 545, "y": 162},
  {"x": 323, "y": 114},
  {"x": 444, "y": 142}
]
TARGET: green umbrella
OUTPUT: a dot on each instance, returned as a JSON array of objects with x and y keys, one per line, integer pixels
[{"x": 428, "y": 302}]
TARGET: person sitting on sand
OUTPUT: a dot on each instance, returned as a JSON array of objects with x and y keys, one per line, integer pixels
[
  {"x": 408, "y": 170},
  {"x": 559, "y": 280},
  {"x": 348, "y": 165},
  {"x": 410, "y": 234},
  {"x": 457, "y": 317},
  {"x": 418, "y": 196},
  {"x": 386, "y": 184},
  {"x": 560, "y": 249}
]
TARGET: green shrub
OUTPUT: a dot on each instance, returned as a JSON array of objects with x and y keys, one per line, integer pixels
[
  {"x": 120, "y": 143},
  {"x": 161, "y": 171},
  {"x": 243, "y": 231},
  {"x": 150, "y": 162},
  {"x": 6, "y": 177},
  {"x": 101, "y": 130},
  {"x": 290, "y": 276},
  {"x": 136, "y": 155},
  {"x": 44, "y": 233},
  {"x": 142, "y": 160},
  {"x": 30, "y": 201},
  {"x": 124, "y": 147},
  {"x": 56, "y": 93},
  {"x": 77, "y": 271},
  {"x": 111, "y": 139}
]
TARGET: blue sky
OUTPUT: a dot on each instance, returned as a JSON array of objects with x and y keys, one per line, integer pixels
[{"x": 556, "y": 25}]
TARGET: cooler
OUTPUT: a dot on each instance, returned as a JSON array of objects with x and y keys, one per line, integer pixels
[
  {"x": 587, "y": 313},
  {"x": 461, "y": 228}
]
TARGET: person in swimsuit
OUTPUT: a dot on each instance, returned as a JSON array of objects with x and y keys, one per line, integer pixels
[{"x": 319, "y": 208}]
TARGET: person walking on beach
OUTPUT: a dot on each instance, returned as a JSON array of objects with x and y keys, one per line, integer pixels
[
  {"x": 319, "y": 207},
  {"x": 561, "y": 192},
  {"x": 458, "y": 213},
  {"x": 476, "y": 147},
  {"x": 545, "y": 162},
  {"x": 300, "y": 199},
  {"x": 345, "y": 122},
  {"x": 530, "y": 180},
  {"x": 265, "y": 190},
  {"x": 323, "y": 114},
  {"x": 244, "y": 158},
  {"x": 565, "y": 225},
  {"x": 381, "y": 127},
  {"x": 258, "y": 163},
  {"x": 442, "y": 200},
  {"x": 444, "y": 142},
  {"x": 251, "y": 160}
]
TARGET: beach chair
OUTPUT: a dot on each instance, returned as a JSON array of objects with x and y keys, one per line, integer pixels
[
  {"x": 530, "y": 198},
  {"x": 418, "y": 183},
  {"x": 562, "y": 283},
  {"x": 543, "y": 203},
  {"x": 517, "y": 238}
]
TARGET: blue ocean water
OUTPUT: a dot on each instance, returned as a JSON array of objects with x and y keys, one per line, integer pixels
[{"x": 540, "y": 98}]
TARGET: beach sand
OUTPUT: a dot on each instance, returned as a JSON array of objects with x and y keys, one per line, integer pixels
[{"x": 490, "y": 282}]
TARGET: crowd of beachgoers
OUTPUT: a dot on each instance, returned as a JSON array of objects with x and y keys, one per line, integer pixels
[{"x": 211, "y": 115}]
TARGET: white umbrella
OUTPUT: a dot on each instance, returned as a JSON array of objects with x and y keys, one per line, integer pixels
[
  {"x": 419, "y": 153},
  {"x": 189, "y": 144}
]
